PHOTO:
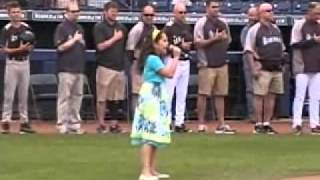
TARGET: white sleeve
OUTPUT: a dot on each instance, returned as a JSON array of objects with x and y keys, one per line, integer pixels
[
  {"x": 198, "y": 30},
  {"x": 250, "y": 42},
  {"x": 296, "y": 35},
  {"x": 134, "y": 36}
]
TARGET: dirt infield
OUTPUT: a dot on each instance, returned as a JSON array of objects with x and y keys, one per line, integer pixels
[
  {"x": 305, "y": 178},
  {"x": 243, "y": 127}
]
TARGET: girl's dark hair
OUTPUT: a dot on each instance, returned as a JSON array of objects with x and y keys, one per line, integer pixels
[{"x": 147, "y": 49}]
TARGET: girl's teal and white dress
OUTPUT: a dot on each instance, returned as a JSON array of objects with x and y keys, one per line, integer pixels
[{"x": 151, "y": 124}]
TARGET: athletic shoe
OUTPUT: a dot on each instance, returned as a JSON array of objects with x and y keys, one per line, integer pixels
[
  {"x": 298, "y": 130},
  {"x": 182, "y": 129},
  {"x": 5, "y": 128},
  {"x": 25, "y": 128},
  {"x": 202, "y": 128},
  {"x": 315, "y": 131},
  {"x": 115, "y": 129},
  {"x": 318, "y": 127},
  {"x": 269, "y": 130},
  {"x": 62, "y": 128},
  {"x": 258, "y": 129},
  {"x": 78, "y": 131},
  {"x": 102, "y": 129},
  {"x": 225, "y": 129}
]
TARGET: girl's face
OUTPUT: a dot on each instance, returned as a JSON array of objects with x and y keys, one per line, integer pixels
[{"x": 162, "y": 45}]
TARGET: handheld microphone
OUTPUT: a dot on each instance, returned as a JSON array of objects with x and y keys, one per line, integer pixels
[{"x": 183, "y": 55}]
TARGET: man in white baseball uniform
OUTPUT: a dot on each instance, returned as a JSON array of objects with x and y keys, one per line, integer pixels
[
  {"x": 305, "y": 40},
  {"x": 179, "y": 34}
]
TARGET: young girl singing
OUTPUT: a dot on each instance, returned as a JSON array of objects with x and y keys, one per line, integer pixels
[{"x": 151, "y": 125}]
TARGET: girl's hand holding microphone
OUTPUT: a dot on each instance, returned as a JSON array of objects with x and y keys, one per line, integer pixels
[{"x": 176, "y": 51}]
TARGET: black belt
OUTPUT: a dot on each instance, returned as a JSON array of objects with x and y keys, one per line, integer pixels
[
  {"x": 18, "y": 59},
  {"x": 272, "y": 68},
  {"x": 267, "y": 66}
]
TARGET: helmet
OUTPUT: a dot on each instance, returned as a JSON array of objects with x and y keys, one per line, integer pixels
[{"x": 27, "y": 37}]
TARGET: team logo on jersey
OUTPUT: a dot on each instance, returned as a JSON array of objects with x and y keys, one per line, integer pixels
[
  {"x": 13, "y": 38},
  {"x": 177, "y": 39},
  {"x": 270, "y": 40},
  {"x": 309, "y": 36}
]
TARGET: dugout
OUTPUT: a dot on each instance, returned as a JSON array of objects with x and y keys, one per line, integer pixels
[{"x": 43, "y": 59}]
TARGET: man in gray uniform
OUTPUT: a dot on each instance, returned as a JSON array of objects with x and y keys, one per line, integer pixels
[
  {"x": 264, "y": 48},
  {"x": 135, "y": 40},
  {"x": 252, "y": 16},
  {"x": 17, "y": 71},
  {"x": 212, "y": 38},
  {"x": 68, "y": 39}
]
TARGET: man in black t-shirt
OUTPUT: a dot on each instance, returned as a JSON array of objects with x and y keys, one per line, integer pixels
[
  {"x": 110, "y": 38},
  {"x": 17, "y": 71},
  {"x": 68, "y": 39}
]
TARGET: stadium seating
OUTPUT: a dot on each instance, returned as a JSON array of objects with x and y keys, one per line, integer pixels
[
  {"x": 197, "y": 6},
  {"x": 299, "y": 6},
  {"x": 233, "y": 7},
  {"x": 88, "y": 103},
  {"x": 43, "y": 89},
  {"x": 282, "y": 7},
  {"x": 227, "y": 6},
  {"x": 161, "y": 5}
]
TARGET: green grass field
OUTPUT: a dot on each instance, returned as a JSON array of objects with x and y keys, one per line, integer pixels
[{"x": 190, "y": 157}]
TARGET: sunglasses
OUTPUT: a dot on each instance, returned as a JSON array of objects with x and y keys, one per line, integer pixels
[
  {"x": 182, "y": 12},
  {"x": 214, "y": 7},
  {"x": 148, "y": 15},
  {"x": 74, "y": 11},
  {"x": 15, "y": 12},
  {"x": 268, "y": 10}
]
